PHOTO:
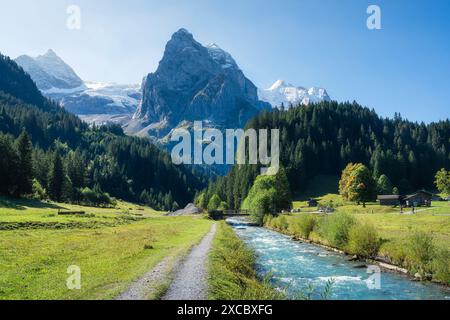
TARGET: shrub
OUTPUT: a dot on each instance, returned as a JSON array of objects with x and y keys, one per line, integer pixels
[
  {"x": 441, "y": 266},
  {"x": 335, "y": 228},
  {"x": 421, "y": 252},
  {"x": 305, "y": 226},
  {"x": 96, "y": 197},
  {"x": 281, "y": 223},
  {"x": 39, "y": 193},
  {"x": 363, "y": 240},
  {"x": 267, "y": 220}
]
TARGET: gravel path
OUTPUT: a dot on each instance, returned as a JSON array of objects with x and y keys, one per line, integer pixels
[
  {"x": 148, "y": 283},
  {"x": 190, "y": 282}
]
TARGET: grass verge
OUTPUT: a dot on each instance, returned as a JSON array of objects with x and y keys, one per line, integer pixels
[{"x": 231, "y": 270}]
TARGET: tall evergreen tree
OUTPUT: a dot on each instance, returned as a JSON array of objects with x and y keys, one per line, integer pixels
[
  {"x": 56, "y": 178},
  {"x": 9, "y": 166},
  {"x": 384, "y": 185},
  {"x": 25, "y": 173}
]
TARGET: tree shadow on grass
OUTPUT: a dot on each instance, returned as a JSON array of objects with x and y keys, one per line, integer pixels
[
  {"x": 23, "y": 204},
  {"x": 318, "y": 187}
]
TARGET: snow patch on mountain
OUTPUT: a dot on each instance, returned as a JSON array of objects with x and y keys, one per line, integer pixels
[
  {"x": 286, "y": 94},
  {"x": 221, "y": 56},
  {"x": 103, "y": 98}
]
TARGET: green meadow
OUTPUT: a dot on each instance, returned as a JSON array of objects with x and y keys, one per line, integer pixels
[{"x": 112, "y": 247}]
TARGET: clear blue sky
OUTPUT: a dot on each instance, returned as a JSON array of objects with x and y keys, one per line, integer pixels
[{"x": 404, "y": 67}]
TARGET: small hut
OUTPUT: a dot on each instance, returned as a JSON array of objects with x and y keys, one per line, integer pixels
[
  {"x": 313, "y": 203},
  {"x": 419, "y": 199},
  {"x": 389, "y": 200}
]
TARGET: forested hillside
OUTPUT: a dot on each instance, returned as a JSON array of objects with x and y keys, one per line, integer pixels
[
  {"x": 324, "y": 138},
  {"x": 44, "y": 150}
]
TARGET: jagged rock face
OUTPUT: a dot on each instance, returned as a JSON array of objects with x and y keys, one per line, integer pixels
[{"x": 194, "y": 82}]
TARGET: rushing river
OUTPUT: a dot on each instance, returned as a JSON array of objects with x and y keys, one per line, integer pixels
[{"x": 299, "y": 268}]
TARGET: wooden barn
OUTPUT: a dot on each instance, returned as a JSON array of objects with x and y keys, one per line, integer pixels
[
  {"x": 390, "y": 200},
  {"x": 419, "y": 199}
]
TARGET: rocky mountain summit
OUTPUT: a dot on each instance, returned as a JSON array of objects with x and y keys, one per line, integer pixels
[
  {"x": 195, "y": 82},
  {"x": 51, "y": 73}
]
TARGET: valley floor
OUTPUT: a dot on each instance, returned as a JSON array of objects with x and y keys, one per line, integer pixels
[{"x": 112, "y": 247}]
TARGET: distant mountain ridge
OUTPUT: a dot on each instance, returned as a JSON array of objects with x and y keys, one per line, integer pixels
[
  {"x": 51, "y": 73},
  {"x": 57, "y": 80},
  {"x": 286, "y": 94},
  {"x": 194, "y": 82}
]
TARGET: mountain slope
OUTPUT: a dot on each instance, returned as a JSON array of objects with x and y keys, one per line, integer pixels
[
  {"x": 14, "y": 82},
  {"x": 282, "y": 93},
  {"x": 57, "y": 80},
  {"x": 194, "y": 82},
  {"x": 126, "y": 167}
]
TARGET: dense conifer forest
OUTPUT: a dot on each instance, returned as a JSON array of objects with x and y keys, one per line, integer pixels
[
  {"x": 322, "y": 139},
  {"x": 47, "y": 152}
]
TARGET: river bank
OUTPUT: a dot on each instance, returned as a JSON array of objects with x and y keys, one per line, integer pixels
[
  {"x": 417, "y": 256},
  {"x": 296, "y": 267}
]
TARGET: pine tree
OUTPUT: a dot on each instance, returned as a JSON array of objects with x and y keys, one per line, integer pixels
[
  {"x": 214, "y": 203},
  {"x": 384, "y": 185},
  {"x": 9, "y": 166},
  {"x": 56, "y": 178},
  {"x": 25, "y": 174},
  {"x": 284, "y": 197}
]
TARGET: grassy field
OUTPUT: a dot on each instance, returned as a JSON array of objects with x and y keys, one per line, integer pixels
[{"x": 112, "y": 247}]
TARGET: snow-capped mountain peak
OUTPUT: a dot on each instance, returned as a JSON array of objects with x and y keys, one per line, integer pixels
[
  {"x": 51, "y": 53},
  {"x": 51, "y": 73},
  {"x": 280, "y": 84},
  {"x": 284, "y": 93},
  {"x": 57, "y": 80},
  {"x": 221, "y": 56}
]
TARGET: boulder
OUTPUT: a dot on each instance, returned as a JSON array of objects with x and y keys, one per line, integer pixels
[{"x": 190, "y": 209}]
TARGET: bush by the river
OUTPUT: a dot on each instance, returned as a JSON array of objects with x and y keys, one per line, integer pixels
[
  {"x": 304, "y": 226},
  {"x": 419, "y": 254},
  {"x": 363, "y": 240},
  {"x": 335, "y": 228},
  {"x": 441, "y": 265}
]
